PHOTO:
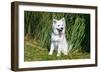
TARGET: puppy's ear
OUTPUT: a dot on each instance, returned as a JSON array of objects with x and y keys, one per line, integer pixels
[
  {"x": 63, "y": 19},
  {"x": 54, "y": 21}
]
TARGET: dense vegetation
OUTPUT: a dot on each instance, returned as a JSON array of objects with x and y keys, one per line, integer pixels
[{"x": 38, "y": 28}]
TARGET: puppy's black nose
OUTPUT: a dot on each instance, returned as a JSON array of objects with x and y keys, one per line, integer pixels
[{"x": 61, "y": 28}]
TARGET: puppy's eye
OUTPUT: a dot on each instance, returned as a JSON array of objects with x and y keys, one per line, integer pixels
[{"x": 58, "y": 25}]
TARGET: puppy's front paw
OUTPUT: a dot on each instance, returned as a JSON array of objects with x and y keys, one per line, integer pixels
[
  {"x": 58, "y": 55},
  {"x": 65, "y": 53},
  {"x": 50, "y": 53}
]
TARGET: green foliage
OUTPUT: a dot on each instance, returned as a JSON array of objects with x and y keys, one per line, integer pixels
[
  {"x": 38, "y": 28},
  {"x": 77, "y": 32}
]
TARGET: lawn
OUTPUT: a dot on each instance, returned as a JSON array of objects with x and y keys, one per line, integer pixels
[{"x": 33, "y": 52}]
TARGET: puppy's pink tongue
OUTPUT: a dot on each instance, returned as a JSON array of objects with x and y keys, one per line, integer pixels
[{"x": 60, "y": 34}]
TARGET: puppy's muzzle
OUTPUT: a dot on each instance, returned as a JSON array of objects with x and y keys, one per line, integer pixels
[{"x": 60, "y": 29}]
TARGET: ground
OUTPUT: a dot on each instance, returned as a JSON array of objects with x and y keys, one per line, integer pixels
[{"x": 32, "y": 52}]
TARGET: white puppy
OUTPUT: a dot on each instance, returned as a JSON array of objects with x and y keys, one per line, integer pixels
[{"x": 58, "y": 39}]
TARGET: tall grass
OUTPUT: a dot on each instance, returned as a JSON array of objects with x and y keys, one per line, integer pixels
[{"x": 38, "y": 27}]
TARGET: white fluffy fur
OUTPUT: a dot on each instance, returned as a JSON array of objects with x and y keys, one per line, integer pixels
[{"x": 58, "y": 39}]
